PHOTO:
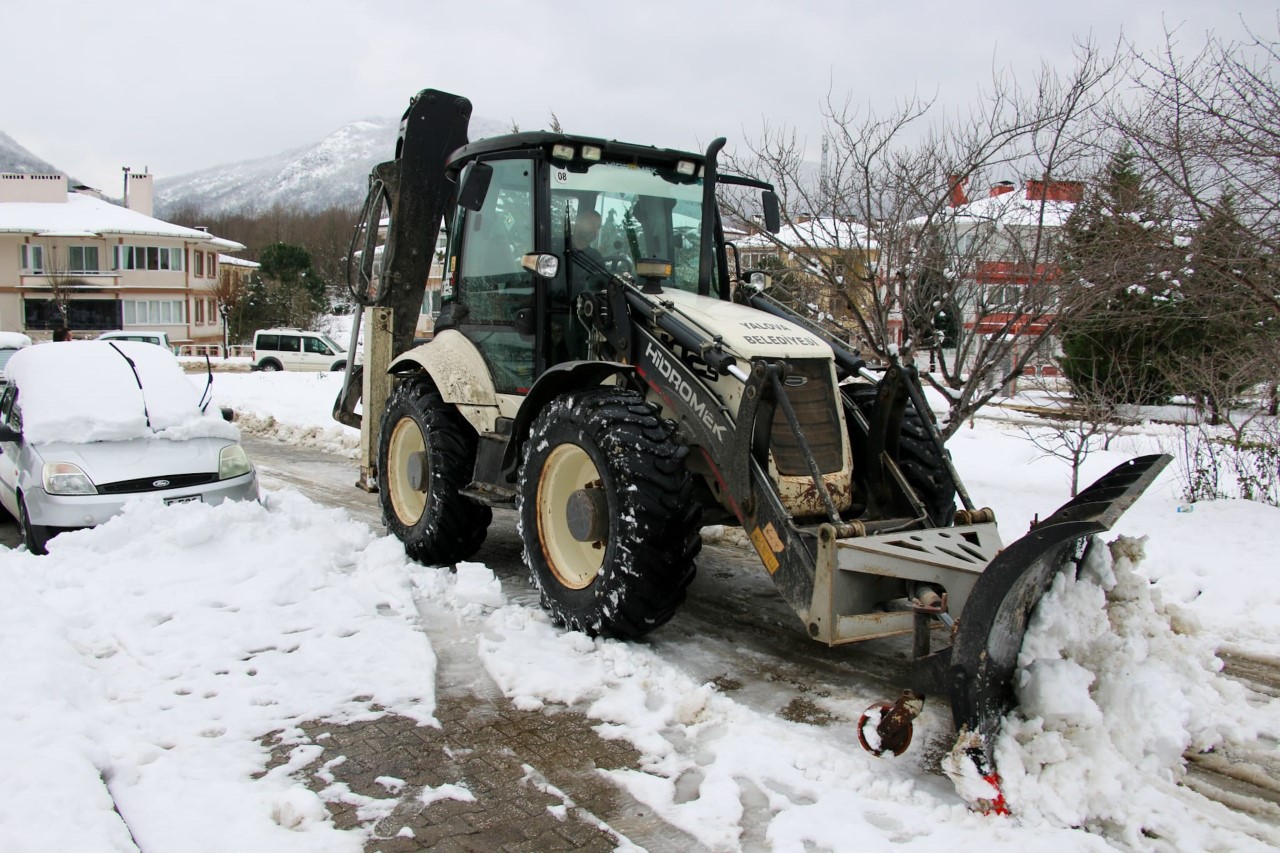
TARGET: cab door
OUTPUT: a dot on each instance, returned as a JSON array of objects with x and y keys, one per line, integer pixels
[{"x": 494, "y": 296}]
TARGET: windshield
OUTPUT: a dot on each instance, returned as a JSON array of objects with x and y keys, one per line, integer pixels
[{"x": 615, "y": 214}]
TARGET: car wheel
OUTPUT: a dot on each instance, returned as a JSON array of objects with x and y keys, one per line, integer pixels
[
  {"x": 340, "y": 365},
  {"x": 269, "y": 366},
  {"x": 35, "y": 536}
]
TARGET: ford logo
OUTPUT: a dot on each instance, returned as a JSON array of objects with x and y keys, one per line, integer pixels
[{"x": 160, "y": 484}]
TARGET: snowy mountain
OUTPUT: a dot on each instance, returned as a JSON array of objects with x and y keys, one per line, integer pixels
[
  {"x": 333, "y": 171},
  {"x": 15, "y": 158}
]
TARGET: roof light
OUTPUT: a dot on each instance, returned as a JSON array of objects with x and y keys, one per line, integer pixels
[
  {"x": 591, "y": 152},
  {"x": 686, "y": 167},
  {"x": 562, "y": 152}
]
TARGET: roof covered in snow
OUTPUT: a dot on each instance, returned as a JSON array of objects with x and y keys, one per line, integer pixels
[
  {"x": 87, "y": 217},
  {"x": 823, "y": 232}
]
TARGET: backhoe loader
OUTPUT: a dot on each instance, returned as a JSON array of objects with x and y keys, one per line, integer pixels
[{"x": 601, "y": 365}]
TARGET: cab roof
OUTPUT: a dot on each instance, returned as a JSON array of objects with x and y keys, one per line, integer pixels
[{"x": 544, "y": 141}]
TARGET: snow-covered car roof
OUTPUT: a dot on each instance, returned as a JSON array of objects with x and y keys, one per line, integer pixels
[
  {"x": 14, "y": 340},
  {"x": 83, "y": 391}
]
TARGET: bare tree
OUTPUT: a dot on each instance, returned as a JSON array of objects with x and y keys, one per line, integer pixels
[
  {"x": 1207, "y": 127},
  {"x": 985, "y": 272},
  {"x": 62, "y": 281},
  {"x": 229, "y": 294}
]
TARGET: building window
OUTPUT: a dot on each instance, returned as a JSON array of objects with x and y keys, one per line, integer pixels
[
  {"x": 83, "y": 314},
  {"x": 147, "y": 258},
  {"x": 82, "y": 259},
  {"x": 32, "y": 258},
  {"x": 197, "y": 259},
  {"x": 199, "y": 320},
  {"x": 213, "y": 265},
  {"x": 154, "y": 312}
]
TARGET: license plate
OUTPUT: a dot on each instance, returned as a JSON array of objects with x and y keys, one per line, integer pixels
[{"x": 187, "y": 500}]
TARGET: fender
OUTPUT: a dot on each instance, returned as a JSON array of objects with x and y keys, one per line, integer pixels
[
  {"x": 557, "y": 380},
  {"x": 456, "y": 367}
]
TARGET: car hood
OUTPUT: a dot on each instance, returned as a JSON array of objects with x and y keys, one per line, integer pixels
[{"x": 137, "y": 458}]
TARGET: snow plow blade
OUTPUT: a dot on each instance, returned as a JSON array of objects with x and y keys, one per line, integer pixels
[{"x": 984, "y": 655}]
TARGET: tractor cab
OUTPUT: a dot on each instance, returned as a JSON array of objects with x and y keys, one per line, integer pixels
[{"x": 543, "y": 218}]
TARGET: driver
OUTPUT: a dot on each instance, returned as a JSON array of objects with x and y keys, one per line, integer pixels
[
  {"x": 586, "y": 264},
  {"x": 586, "y": 228}
]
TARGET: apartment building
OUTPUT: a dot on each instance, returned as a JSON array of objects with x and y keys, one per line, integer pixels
[{"x": 69, "y": 256}]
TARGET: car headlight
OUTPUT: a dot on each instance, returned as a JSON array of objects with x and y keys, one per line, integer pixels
[
  {"x": 232, "y": 462},
  {"x": 64, "y": 478}
]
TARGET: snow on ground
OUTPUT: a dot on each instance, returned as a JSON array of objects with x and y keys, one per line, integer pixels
[{"x": 144, "y": 661}]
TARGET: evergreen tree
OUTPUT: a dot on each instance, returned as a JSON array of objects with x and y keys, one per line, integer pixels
[
  {"x": 1119, "y": 349},
  {"x": 1229, "y": 340}
]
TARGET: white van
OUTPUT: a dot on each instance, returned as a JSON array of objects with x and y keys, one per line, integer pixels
[
  {"x": 146, "y": 336},
  {"x": 294, "y": 349}
]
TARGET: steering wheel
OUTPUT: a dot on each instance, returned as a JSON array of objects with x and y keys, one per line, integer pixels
[{"x": 616, "y": 264}]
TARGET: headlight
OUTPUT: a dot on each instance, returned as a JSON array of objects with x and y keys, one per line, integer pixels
[
  {"x": 232, "y": 462},
  {"x": 63, "y": 478}
]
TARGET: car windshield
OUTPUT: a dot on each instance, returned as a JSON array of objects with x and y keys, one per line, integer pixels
[
  {"x": 84, "y": 391},
  {"x": 641, "y": 212}
]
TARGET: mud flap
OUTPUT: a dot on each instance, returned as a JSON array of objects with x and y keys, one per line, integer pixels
[{"x": 984, "y": 655}]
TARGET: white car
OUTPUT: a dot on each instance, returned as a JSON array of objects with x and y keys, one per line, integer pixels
[
  {"x": 160, "y": 339},
  {"x": 86, "y": 426},
  {"x": 294, "y": 349}
]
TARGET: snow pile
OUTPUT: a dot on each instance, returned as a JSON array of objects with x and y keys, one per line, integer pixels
[
  {"x": 1110, "y": 697},
  {"x": 155, "y": 651},
  {"x": 292, "y": 407},
  {"x": 728, "y": 775}
]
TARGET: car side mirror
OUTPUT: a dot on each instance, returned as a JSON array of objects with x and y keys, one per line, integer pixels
[
  {"x": 8, "y": 433},
  {"x": 475, "y": 185}
]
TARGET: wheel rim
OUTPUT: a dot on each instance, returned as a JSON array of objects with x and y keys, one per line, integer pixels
[
  {"x": 575, "y": 564},
  {"x": 402, "y": 450}
]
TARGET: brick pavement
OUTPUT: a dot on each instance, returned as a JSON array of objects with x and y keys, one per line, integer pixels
[{"x": 533, "y": 776}]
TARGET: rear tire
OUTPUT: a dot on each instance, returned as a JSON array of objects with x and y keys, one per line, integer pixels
[
  {"x": 918, "y": 458},
  {"x": 421, "y": 505},
  {"x": 609, "y": 449},
  {"x": 35, "y": 536},
  {"x": 269, "y": 366}
]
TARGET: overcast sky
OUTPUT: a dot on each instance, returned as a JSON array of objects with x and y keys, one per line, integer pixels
[{"x": 178, "y": 87}]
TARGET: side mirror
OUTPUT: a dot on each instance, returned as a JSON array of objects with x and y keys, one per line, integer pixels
[
  {"x": 758, "y": 280},
  {"x": 772, "y": 216},
  {"x": 8, "y": 433},
  {"x": 474, "y": 185}
]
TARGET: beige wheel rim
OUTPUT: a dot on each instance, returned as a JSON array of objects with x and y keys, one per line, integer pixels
[
  {"x": 408, "y": 502},
  {"x": 568, "y": 469}
]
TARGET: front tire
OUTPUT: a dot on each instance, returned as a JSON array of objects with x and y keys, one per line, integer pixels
[
  {"x": 607, "y": 514},
  {"x": 35, "y": 536},
  {"x": 426, "y": 453}
]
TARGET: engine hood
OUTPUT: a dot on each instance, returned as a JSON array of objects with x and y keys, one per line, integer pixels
[
  {"x": 747, "y": 332},
  {"x": 138, "y": 458}
]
